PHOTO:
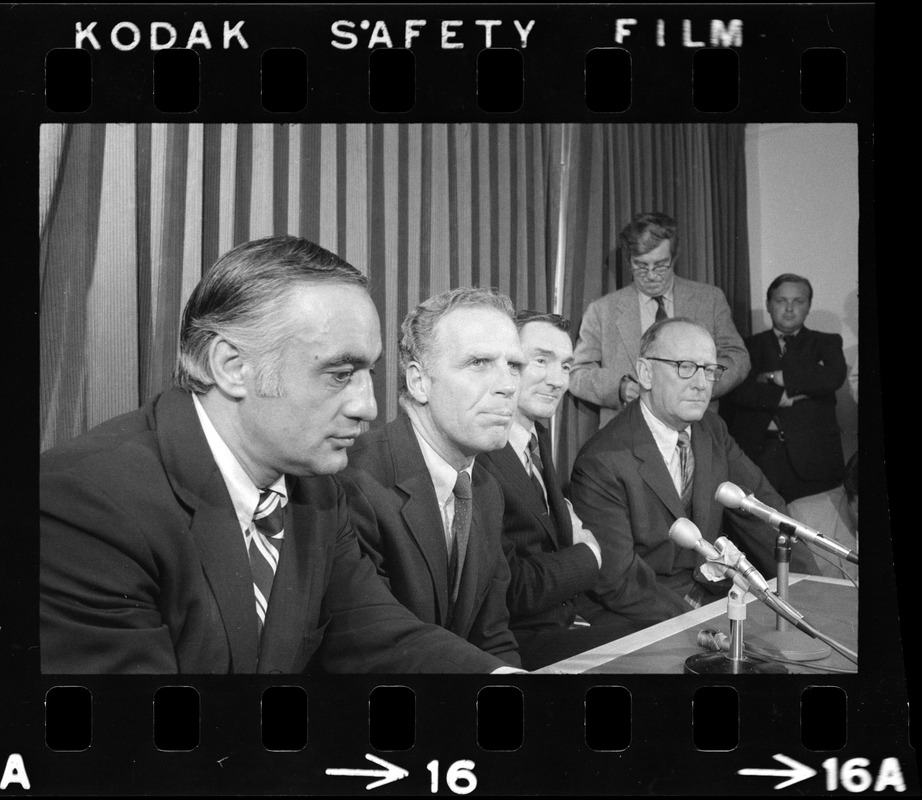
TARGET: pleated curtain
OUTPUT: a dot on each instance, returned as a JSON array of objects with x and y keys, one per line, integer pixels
[{"x": 131, "y": 214}]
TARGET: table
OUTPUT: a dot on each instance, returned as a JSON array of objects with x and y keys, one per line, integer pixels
[{"x": 829, "y": 604}]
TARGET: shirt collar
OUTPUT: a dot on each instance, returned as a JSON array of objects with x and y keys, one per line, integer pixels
[
  {"x": 243, "y": 492},
  {"x": 443, "y": 475},
  {"x": 665, "y": 437},
  {"x": 520, "y": 438},
  {"x": 779, "y": 334}
]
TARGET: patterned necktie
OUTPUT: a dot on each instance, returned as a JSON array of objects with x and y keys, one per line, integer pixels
[
  {"x": 265, "y": 543},
  {"x": 783, "y": 341},
  {"x": 660, "y": 307},
  {"x": 536, "y": 471},
  {"x": 460, "y": 531},
  {"x": 687, "y": 462}
]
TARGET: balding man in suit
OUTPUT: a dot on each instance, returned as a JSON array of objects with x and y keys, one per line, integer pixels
[{"x": 662, "y": 459}]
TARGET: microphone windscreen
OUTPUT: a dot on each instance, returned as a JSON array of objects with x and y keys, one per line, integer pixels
[
  {"x": 685, "y": 533},
  {"x": 729, "y": 495}
]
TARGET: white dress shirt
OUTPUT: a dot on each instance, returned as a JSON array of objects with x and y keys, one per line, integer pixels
[
  {"x": 649, "y": 307},
  {"x": 519, "y": 439},
  {"x": 243, "y": 492},
  {"x": 443, "y": 476},
  {"x": 667, "y": 441}
]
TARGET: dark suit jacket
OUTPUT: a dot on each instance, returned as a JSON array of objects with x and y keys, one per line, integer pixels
[
  {"x": 622, "y": 491},
  {"x": 814, "y": 365},
  {"x": 396, "y": 515},
  {"x": 547, "y": 569},
  {"x": 609, "y": 341},
  {"x": 144, "y": 568}
]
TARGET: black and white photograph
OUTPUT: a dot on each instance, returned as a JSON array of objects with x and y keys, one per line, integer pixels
[
  {"x": 443, "y": 399},
  {"x": 587, "y": 231}
]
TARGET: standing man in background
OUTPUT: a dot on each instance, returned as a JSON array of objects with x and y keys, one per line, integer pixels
[
  {"x": 554, "y": 560},
  {"x": 609, "y": 337},
  {"x": 784, "y": 414}
]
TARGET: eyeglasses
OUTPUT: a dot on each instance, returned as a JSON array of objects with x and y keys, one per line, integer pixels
[
  {"x": 687, "y": 369},
  {"x": 659, "y": 268}
]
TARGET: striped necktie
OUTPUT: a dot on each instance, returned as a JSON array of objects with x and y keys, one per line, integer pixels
[
  {"x": 687, "y": 462},
  {"x": 460, "y": 531},
  {"x": 536, "y": 470},
  {"x": 265, "y": 542}
]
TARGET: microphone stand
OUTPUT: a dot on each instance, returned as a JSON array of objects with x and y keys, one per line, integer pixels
[
  {"x": 734, "y": 662},
  {"x": 784, "y": 641}
]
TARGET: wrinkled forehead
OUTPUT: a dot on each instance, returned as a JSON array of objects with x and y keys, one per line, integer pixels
[
  {"x": 685, "y": 343},
  {"x": 545, "y": 337},
  {"x": 473, "y": 327}
]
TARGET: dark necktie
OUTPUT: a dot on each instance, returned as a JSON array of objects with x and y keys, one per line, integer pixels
[
  {"x": 265, "y": 543},
  {"x": 660, "y": 307},
  {"x": 783, "y": 341},
  {"x": 460, "y": 531},
  {"x": 687, "y": 462},
  {"x": 536, "y": 470}
]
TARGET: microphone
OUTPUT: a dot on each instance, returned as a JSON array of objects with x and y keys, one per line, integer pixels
[
  {"x": 685, "y": 533},
  {"x": 730, "y": 495}
]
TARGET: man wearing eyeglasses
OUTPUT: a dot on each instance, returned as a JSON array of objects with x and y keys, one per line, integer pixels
[
  {"x": 661, "y": 460},
  {"x": 609, "y": 336}
]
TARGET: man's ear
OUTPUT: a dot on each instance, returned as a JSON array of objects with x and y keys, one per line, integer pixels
[
  {"x": 418, "y": 382},
  {"x": 228, "y": 367},
  {"x": 644, "y": 373}
]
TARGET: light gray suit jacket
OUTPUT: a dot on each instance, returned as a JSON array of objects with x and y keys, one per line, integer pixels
[{"x": 609, "y": 341}]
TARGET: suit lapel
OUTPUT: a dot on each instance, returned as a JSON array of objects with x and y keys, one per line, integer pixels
[
  {"x": 421, "y": 511},
  {"x": 520, "y": 483},
  {"x": 215, "y": 529},
  {"x": 562, "y": 530},
  {"x": 628, "y": 322},
  {"x": 653, "y": 469},
  {"x": 684, "y": 299}
]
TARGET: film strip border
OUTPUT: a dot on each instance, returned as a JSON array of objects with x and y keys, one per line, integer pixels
[
  {"x": 402, "y": 62},
  {"x": 176, "y": 78},
  {"x": 564, "y": 738}
]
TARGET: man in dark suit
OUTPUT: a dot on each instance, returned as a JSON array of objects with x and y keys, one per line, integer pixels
[
  {"x": 661, "y": 460},
  {"x": 784, "y": 414},
  {"x": 431, "y": 525},
  {"x": 554, "y": 560},
  {"x": 609, "y": 336},
  {"x": 203, "y": 533}
]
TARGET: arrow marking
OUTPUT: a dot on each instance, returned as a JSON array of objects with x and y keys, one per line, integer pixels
[
  {"x": 390, "y": 773},
  {"x": 795, "y": 773}
]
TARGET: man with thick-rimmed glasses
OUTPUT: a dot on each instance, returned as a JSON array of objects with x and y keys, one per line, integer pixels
[
  {"x": 661, "y": 460},
  {"x": 609, "y": 336}
]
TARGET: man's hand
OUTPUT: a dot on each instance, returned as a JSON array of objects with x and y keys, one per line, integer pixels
[
  {"x": 584, "y": 535},
  {"x": 774, "y": 376},
  {"x": 787, "y": 402},
  {"x": 628, "y": 389}
]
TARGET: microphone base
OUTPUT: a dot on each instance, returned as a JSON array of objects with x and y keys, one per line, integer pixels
[
  {"x": 722, "y": 664},
  {"x": 791, "y": 645}
]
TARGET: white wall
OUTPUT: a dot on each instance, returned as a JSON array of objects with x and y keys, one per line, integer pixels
[{"x": 802, "y": 192}]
